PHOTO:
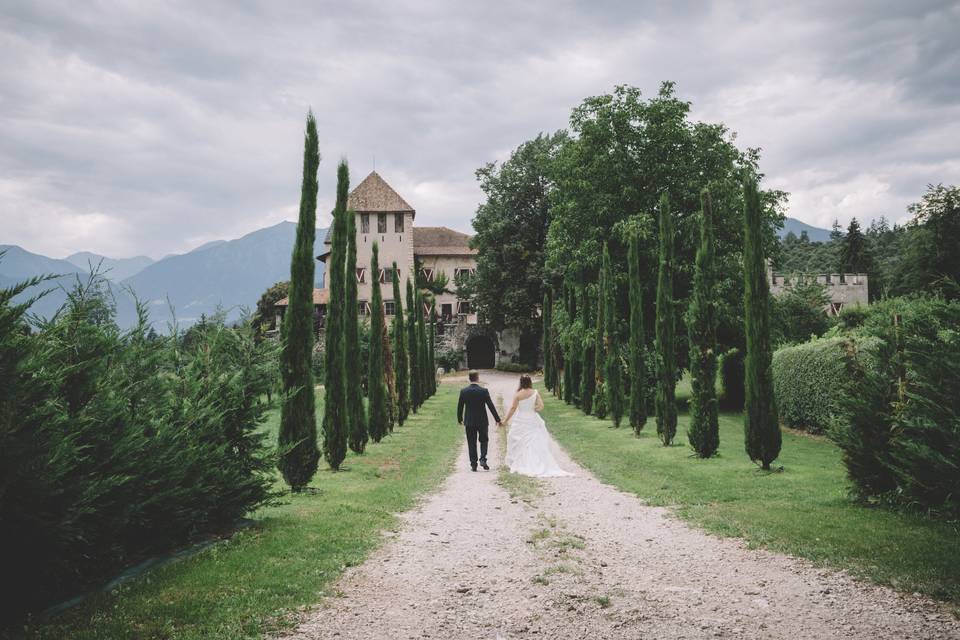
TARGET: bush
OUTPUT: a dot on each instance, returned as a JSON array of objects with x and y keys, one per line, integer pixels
[
  {"x": 731, "y": 377},
  {"x": 449, "y": 359},
  {"x": 809, "y": 381},
  {"x": 515, "y": 367},
  {"x": 116, "y": 445},
  {"x": 901, "y": 438}
]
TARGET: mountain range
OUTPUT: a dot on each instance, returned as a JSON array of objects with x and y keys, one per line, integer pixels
[
  {"x": 816, "y": 234},
  {"x": 224, "y": 274}
]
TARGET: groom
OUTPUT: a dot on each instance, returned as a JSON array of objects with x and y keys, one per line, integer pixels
[{"x": 476, "y": 400}]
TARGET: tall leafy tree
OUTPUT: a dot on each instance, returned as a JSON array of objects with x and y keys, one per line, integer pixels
[
  {"x": 638, "y": 372},
  {"x": 614, "y": 377},
  {"x": 263, "y": 316},
  {"x": 761, "y": 428},
  {"x": 377, "y": 393},
  {"x": 666, "y": 402},
  {"x": 549, "y": 375},
  {"x": 298, "y": 421},
  {"x": 336, "y": 414},
  {"x": 854, "y": 252},
  {"x": 413, "y": 351},
  {"x": 511, "y": 229},
  {"x": 357, "y": 416},
  {"x": 401, "y": 361},
  {"x": 704, "y": 431},
  {"x": 599, "y": 351},
  {"x": 588, "y": 378}
]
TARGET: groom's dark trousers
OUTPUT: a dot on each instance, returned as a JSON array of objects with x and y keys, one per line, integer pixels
[{"x": 472, "y": 413}]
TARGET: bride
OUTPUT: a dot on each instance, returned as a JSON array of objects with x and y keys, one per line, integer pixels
[{"x": 528, "y": 443}]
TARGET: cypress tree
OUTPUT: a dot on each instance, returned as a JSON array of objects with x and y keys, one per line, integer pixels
[
  {"x": 549, "y": 382},
  {"x": 638, "y": 369},
  {"x": 588, "y": 381},
  {"x": 432, "y": 347},
  {"x": 377, "y": 394},
  {"x": 336, "y": 408},
  {"x": 356, "y": 415},
  {"x": 413, "y": 351},
  {"x": 599, "y": 351},
  {"x": 389, "y": 375},
  {"x": 422, "y": 358},
  {"x": 571, "y": 387},
  {"x": 401, "y": 362},
  {"x": 298, "y": 420},
  {"x": 666, "y": 402},
  {"x": 614, "y": 384},
  {"x": 761, "y": 429},
  {"x": 704, "y": 432}
]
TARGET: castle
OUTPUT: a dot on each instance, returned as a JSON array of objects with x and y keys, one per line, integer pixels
[
  {"x": 383, "y": 216},
  {"x": 842, "y": 289}
]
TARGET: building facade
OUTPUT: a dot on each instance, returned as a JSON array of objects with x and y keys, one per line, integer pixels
[
  {"x": 843, "y": 289},
  {"x": 433, "y": 253}
]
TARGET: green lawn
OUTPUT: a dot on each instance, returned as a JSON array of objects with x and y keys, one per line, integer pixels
[
  {"x": 804, "y": 511},
  {"x": 250, "y": 584}
]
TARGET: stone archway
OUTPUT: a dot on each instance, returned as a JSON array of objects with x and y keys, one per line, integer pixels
[{"x": 481, "y": 352}]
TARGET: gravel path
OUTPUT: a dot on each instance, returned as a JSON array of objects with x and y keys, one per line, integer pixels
[{"x": 584, "y": 560}]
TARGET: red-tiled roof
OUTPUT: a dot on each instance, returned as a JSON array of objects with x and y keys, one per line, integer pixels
[
  {"x": 320, "y": 296},
  {"x": 441, "y": 241}
]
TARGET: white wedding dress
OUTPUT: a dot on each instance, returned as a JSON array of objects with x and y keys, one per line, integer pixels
[{"x": 528, "y": 443}]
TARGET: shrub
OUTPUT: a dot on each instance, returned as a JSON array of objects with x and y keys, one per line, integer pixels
[
  {"x": 115, "y": 445},
  {"x": 901, "y": 441},
  {"x": 515, "y": 367},
  {"x": 731, "y": 378},
  {"x": 809, "y": 381},
  {"x": 449, "y": 359}
]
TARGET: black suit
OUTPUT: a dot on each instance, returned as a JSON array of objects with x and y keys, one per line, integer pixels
[{"x": 476, "y": 400}]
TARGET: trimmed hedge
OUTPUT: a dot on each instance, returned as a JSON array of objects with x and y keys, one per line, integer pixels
[
  {"x": 809, "y": 381},
  {"x": 515, "y": 367}
]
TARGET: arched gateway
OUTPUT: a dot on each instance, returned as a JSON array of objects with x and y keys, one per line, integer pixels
[{"x": 480, "y": 352}]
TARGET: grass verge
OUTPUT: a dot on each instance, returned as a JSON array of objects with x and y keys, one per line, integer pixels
[
  {"x": 804, "y": 511},
  {"x": 256, "y": 581}
]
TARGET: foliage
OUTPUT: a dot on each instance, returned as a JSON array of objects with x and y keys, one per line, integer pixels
[
  {"x": 854, "y": 252},
  {"x": 265, "y": 314},
  {"x": 377, "y": 393},
  {"x": 704, "y": 432},
  {"x": 611, "y": 339},
  {"x": 567, "y": 328},
  {"x": 588, "y": 384},
  {"x": 549, "y": 370},
  {"x": 798, "y": 314},
  {"x": 356, "y": 413},
  {"x": 511, "y": 231},
  {"x": 809, "y": 381},
  {"x": 514, "y": 367},
  {"x": 666, "y": 403},
  {"x": 599, "y": 351},
  {"x": 731, "y": 380},
  {"x": 298, "y": 423},
  {"x": 115, "y": 445},
  {"x": 449, "y": 359},
  {"x": 401, "y": 361},
  {"x": 336, "y": 414},
  {"x": 761, "y": 430},
  {"x": 900, "y": 434},
  {"x": 637, "y": 364},
  {"x": 413, "y": 352}
]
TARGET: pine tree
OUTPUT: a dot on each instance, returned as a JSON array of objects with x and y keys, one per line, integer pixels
[
  {"x": 549, "y": 381},
  {"x": 413, "y": 351},
  {"x": 377, "y": 394},
  {"x": 298, "y": 420},
  {"x": 357, "y": 416},
  {"x": 588, "y": 379},
  {"x": 599, "y": 353},
  {"x": 854, "y": 252},
  {"x": 704, "y": 432},
  {"x": 401, "y": 362},
  {"x": 614, "y": 376},
  {"x": 761, "y": 429},
  {"x": 638, "y": 370},
  {"x": 336, "y": 408},
  {"x": 666, "y": 403}
]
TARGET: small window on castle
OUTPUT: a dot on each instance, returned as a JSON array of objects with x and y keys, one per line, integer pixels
[
  {"x": 389, "y": 307},
  {"x": 361, "y": 275},
  {"x": 463, "y": 308},
  {"x": 363, "y": 308},
  {"x": 381, "y": 223},
  {"x": 398, "y": 223},
  {"x": 386, "y": 275},
  {"x": 364, "y": 223}
]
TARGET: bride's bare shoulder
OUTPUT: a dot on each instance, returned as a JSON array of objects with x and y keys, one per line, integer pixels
[{"x": 523, "y": 394}]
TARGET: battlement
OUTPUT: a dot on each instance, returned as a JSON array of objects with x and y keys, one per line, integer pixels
[{"x": 843, "y": 289}]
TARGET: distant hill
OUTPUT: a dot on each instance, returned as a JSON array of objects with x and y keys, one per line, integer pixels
[
  {"x": 815, "y": 234},
  {"x": 116, "y": 269},
  {"x": 229, "y": 274}
]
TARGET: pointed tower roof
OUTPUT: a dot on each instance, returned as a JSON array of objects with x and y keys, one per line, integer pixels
[{"x": 375, "y": 195}]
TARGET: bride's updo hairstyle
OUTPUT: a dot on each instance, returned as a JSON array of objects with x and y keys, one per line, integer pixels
[{"x": 525, "y": 383}]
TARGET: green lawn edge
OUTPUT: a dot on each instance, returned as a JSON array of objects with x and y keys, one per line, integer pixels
[
  {"x": 804, "y": 511},
  {"x": 258, "y": 581}
]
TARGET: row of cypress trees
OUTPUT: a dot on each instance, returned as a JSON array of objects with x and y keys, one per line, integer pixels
[
  {"x": 586, "y": 367},
  {"x": 399, "y": 379}
]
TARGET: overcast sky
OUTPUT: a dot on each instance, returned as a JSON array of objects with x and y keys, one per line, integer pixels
[{"x": 148, "y": 128}]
